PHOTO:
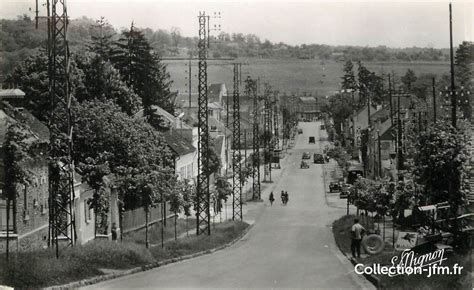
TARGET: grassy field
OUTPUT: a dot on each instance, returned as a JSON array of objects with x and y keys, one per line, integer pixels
[{"x": 292, "y": 75}]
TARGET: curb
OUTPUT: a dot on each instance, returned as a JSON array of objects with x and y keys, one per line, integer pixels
[
  {"x": 370, "y": 277},
  {"x": 101, "y": 278}
]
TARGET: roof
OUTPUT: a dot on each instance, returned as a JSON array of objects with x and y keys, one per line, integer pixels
[
  {"x": 39, "y": 130},
  {"x": 214, "y": 105},
  {"x": 383, "y": 114},
  {"x": 308, "y": 99},
  {"x": 166, "y": 115},
  {"x": 215, "y": 91},
  {"x": 11, "y": 93},
  {"x": 180, "y": 145}
]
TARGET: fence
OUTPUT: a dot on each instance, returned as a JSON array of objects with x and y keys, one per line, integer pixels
[{"x": 135, "y": 219}]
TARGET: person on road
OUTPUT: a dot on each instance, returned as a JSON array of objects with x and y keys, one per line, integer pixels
[
  {"x": 271, "y": 198},
  {"x": 357, "y": 231},
  {"x": 286, "y": 197},
  {"x": 282, "y": 197}
]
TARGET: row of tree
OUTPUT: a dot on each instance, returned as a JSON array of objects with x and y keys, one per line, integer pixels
[{"x": 117, "y": 137}]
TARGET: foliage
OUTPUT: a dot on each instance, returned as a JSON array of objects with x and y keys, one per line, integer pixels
[
  {"x": 222, "y": 191},
  {"x": 135, "y": 153},
  {"x": 464, "y": 75},
  {"x": 340, "y": 108},
  {"x": 440, "y": 164},
  {"x": 348, "y": 80},
  {"x": 17, "y": 150},
  {"x": 104, "y": 82},
  {"x": 408, "y": 79},
  {"x": 340, "y": 155},
  {"x": 31, "y": 76},
  {"x": 142, "y": 70}
]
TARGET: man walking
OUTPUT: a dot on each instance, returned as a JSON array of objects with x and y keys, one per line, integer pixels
[{"x": 357, "y": 231}]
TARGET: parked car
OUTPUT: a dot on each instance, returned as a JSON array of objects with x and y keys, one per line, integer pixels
[
  {"x": 318, "y": 158},
  {"x": 306, "y": 155},
  {"x": 345, "y": 189},
  {"x": 322, "y": 127},
  {"x": 334, "y": 186},
  {"x": 304, "y": 165},
  {"x": 312, "y": 140},
  {"x": 300, "y": 131}
]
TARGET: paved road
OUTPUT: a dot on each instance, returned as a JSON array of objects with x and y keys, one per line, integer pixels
[{"x": 289, "y": 246}]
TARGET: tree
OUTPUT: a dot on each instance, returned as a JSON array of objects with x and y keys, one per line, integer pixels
[
  {"x": 348, "y": 80},
  {"x": 129, "y": 147},
  {"x": 176, "y": 201},
  {"x": 464, "y": 76},
  {"x": 440, "y": 165},
  {"x": 31, "y": 76},
  {"x": 363, "y": 84},
  {"x": 143, "y": 70},
  {"x": 176, "y": 37},
  {"x": 17, "y": 151},
  {"x": 104, "y": 82},
  {"x": 408, "y": 79}
]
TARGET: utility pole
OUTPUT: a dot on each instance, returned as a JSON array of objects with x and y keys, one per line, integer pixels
[
  {"x": 203, "y": 215},
  {"x": 434, "y": 101},
  {"x": 451, "y": 53},
  {"x": 379, "y": 154},
  {"x": 276, "y": 127},
  {"x": 390, "y": 95},
  {"x": 61, "y": 165},
  {"x": 399, "y": 133},
  {"x": 267, "y": 176},
  {"x": 236, "y": 155},
  {"x": 253, "y": 93}
]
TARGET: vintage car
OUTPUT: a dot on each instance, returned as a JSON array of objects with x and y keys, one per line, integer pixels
[
  {"x": 318, "y": 158},
  {"x": 312, "y": 140},
  {"x": 306, "y": 155},
  {"x": 345, "y": 190},
  {"x": 304, "y": 165},
  {"x": 334, "y": 186},
  {"x": 300, "y": 131}
]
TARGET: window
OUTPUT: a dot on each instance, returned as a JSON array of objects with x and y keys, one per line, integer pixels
[
  {"x": 3, "y": 216},
  {"x": 87, "y": 212}
]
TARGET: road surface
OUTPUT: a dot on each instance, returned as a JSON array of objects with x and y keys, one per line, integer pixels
[{"x": 288, "y": 246}]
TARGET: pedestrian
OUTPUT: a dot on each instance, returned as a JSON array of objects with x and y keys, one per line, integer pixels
[
  {"x": 271, "y": 198},
  {"x": 286, "y": 197},
  {"x": 282, "y": 197},
  {"x": 114, "y": 232},
  {"x": 357, "y": 231}
]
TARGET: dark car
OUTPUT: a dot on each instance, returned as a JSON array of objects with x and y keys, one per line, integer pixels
[
  {"x": 300, "y": 131},
  {"x": 322, "y": 127},
  {"x": 306, "y": 155},
  {"x": 334, "y": 186},
  {"x": 318, "y": 158},
  {"x": 345, "y": 189},
  {"x": 312, "y": 140},
  {"x": 304, "y": 165}
]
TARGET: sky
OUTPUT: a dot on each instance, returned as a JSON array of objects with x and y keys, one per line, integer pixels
[{"x": 362, "y": 23}]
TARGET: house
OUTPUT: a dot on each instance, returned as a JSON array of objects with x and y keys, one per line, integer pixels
[
  {"x": 185, "y": 155},
  {"x": 29, "y": 213}
]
